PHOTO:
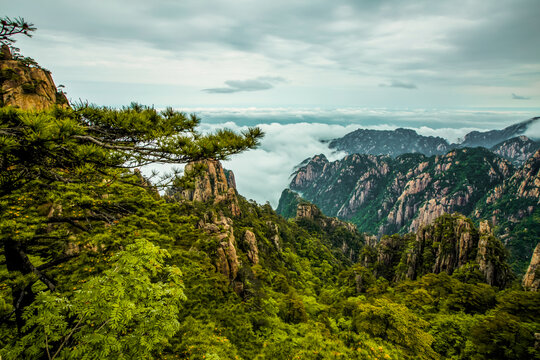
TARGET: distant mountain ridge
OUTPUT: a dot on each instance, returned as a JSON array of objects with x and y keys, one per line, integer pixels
[
  {"x": 403, "y": 141},
  {"x": 389, "y": 142},
  {"x": 490, "y": 138}
]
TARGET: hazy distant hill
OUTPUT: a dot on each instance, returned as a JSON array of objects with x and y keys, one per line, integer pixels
[
  {"x": 490, "y": 138},
  {"x": 390, "y": 142},
  {"x": 404, "y": 141}
]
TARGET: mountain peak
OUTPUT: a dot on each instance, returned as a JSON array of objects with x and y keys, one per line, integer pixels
[{"x": 26, "y": 86}]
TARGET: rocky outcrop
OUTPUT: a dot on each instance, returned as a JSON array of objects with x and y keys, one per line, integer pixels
[
  {"x": 514, "y": 207},
  {"x": 273, "y": 234},
  {"x": 311, "y": 171},
  {"x": 211, "y": 183},
  {"x": 231, "y": 181},
  {"x": 288, "y": 204},
  {"x": 343, "y": 235},
  {"x": 312, "y": 212},
  {"x": 307, "y": 211},
  {"x": 452, "y": 242},
  {"x": 252, "y": 250},
  {"x": 517, "y": 150},
  {"x": 220, "y": 228},
  {"x": 26, "y": 86},
  {"x": 531, "y": 280}
]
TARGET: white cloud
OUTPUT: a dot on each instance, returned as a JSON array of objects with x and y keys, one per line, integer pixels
[
  {"x": 262, "y": 174},
  {"x": 533, "y": 131},
  {"x": 450, "y": 134}
]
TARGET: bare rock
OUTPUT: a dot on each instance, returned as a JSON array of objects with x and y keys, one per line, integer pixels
[
  {"x": 274, "y": 234},
  {"x": 307, "y": 211},
  {"x": 27, "y": 87},
  {"x": 212, "y": 184},
  {"x": 220, "y": 227},
  {"x": 531, "y": 280},
  {"x": 252, "y": 249}
]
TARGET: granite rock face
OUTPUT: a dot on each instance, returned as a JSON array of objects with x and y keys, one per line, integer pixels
[
  {"x": 516, "y": 150},
  {"x": 451, "y": 243},
  {"x": 531, "y": 280},
  {"x": 220, "y": 228},
  {"x": 382, "y": 195},
  {"x": 344, "y": 235},
  {"x": 252, "y": 249},
  {"x": 212, "y": 184},
  {"x": 27, "y": 87}
]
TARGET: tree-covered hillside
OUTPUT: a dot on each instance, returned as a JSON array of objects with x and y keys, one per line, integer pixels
[
  {"x": 384, "y": 195},
  {"x": 95, "y": 263}
]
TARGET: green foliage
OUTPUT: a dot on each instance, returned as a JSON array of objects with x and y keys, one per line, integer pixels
[
  {"x": 288, "y": 203},
  {"x": 129, "y": 310},
  {"x": 112, "y": 269},
  {"x": 451, "y": 335},
  {"x": 396, "y": 324},
  {"x": 12, "y": 27},
  {"x": 503, "y": 336}
]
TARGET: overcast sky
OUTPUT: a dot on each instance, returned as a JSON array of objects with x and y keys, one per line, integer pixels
[{"x": 284, "y": 53}]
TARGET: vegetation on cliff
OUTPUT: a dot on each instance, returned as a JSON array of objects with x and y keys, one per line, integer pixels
[{"x": 384, "y": 195}]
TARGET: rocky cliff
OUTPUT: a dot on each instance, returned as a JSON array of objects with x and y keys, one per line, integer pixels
[
  {"x": 211, "y": 183},
  {"x": 343, "y": 235},
  {"x": 513, "y": 207},
  {"x": 26, "y": 86},
  {"x": 531, "y": 280},
  {"x": 220, "y": 228},
  {"x": 404, "y": 141},
  {"x": 516, "y": 150},
  {"x": 236, "y": 237},
  {"x": 384, "y": 195},
  {"x": 450, "y": 244}
]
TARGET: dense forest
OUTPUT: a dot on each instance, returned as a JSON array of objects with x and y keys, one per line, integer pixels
[{"x": 98, "y": 261}]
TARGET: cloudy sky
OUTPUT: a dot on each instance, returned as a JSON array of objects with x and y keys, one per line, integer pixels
[
  {"x": 302, "y": 53},
  {"x": 304, "y": 70}
]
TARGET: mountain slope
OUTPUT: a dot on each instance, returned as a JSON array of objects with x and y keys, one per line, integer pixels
[
  {"x": 98, "y": 264},
  {"x": 490, "y": 138},
  {"x": 382, "y": 195},
  {"x": 516, "y": 150},
  {"x": 513, "y": 207}
]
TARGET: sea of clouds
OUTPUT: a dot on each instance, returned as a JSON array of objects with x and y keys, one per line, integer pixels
[{"x": 293, "y": 136}]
